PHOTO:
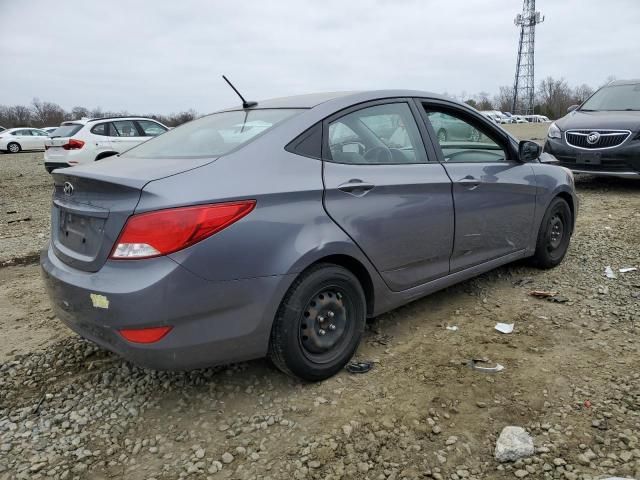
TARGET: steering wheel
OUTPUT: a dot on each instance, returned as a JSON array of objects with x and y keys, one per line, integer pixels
[{"x": 379, "y": 154}]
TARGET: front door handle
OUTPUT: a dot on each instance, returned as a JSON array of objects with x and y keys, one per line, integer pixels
[
  {"x": 356, "y": 187},
  {"x": 469, "y": 182}
]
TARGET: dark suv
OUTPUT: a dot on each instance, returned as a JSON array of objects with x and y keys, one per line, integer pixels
[{"x": 601, "y": 136}]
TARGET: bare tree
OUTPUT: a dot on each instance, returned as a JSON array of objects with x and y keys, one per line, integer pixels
[
  {"x": 483, "y": 102},
  {"x": 20, "y": 116},
  {"x": 554, "y": 97},
  {"x": 581, "y": 93},
  {"x": 79, "y": 112},
  {"x": 46, "y": 113},
  {"x": 504, "y": 100}
]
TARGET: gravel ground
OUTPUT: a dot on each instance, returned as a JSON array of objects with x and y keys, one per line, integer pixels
[{"x": 68, "y": 409}]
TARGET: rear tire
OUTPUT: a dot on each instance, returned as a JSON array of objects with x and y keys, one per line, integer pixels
[
  {"x": 554, "y": 235},
  {"x": 319, "y": 323},
  {"x": 14, "y": 147}
]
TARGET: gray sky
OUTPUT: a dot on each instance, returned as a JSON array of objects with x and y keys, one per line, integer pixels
[{"x": 150, "y": 56}]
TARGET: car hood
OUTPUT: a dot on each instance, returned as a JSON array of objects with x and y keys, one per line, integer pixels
[{"x": 600, "y": 121}]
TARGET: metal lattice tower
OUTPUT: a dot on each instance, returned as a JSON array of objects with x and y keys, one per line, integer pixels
[{"x": 523, "y": 88}]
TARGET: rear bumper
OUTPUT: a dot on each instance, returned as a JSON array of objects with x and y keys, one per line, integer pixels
[
  {"x": 213, "y": 322},
  {"x": 51, "y": 166},
  {"x": 623, "y": 161}
]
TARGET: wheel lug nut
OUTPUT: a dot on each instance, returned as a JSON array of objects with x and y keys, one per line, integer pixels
[
  {"x": 332, "y": 327},
  {"x": 320, "y": 318},
  {"x": 330, "y": 314},
  {"x": 321, "y": 332}
]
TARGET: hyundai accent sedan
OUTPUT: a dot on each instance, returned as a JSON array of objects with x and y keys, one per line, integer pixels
[{"x": 202, "y": 247}]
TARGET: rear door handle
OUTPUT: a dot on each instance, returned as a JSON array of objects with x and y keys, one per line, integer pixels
[{"x": 356, "y": 187}]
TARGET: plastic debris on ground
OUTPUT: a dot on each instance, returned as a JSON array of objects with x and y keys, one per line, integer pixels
[
  {"x": 359, "y": 367},
  {"x": 627, "y": 269},
  {"x": 453, "y": 328},
  {"x": 482, "y": 365},
  {"x": 549, "y": 295},
  {"x": 608, "y": 272},
  {"x": 504, "y": 327}
]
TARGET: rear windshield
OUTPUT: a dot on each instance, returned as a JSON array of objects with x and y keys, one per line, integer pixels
[
  {"x": 615, "y": 97},
  {"x": 212, "y": 135},
  {"x": 66, "y": 130}
]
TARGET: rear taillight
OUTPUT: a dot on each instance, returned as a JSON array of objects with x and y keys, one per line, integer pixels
[
  {"x": 166, "y": 231},
  {"x": 145, "y": 335},
  {"x": 73, "y": 144}
]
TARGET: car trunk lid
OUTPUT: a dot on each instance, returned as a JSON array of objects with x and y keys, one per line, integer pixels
[{"x": 92, "y": 203}]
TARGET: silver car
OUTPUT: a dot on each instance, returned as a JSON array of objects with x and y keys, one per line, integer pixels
[{"x": 213, "y": 243}]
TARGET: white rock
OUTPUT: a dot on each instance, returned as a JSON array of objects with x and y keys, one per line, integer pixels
[{"x": 513, "y": 443}]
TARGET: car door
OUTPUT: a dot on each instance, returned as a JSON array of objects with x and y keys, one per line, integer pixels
[
  {"x": 24, "y": 138},
  {"x": 149, "y": 128},
  {"x": 38, "y": 137},
  {"x": 494, "y": 194},
  {"x": 124, "y": 135},
  {"x": 100, "y": 137},
  {"x": 384, "y": 190}
]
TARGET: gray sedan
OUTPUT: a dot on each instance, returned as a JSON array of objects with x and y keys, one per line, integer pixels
[{"x": 214, "y": 243}]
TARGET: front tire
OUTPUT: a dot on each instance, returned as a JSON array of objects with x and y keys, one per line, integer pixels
[
  {"x": 554, "y": 235},
  {"x": 319, "y": 323},
  {"x": 14, "y": 147}
]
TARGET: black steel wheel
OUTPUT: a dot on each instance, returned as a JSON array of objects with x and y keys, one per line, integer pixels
[
  {"x": 554, "y": 235},
  {"x": 319, "y": 323}
]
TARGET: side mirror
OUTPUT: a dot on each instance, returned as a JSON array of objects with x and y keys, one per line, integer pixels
[
  {"x": 572, "y": 108},
  {"x": 528, "y": 151}
]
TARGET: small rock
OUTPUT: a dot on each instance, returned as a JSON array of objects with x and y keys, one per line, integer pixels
[
  {"x": 514, "y": 443},
  {"x": 227, "y": 457}
]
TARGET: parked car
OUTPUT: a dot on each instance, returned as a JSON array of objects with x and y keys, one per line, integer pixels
[
  {"x": 2, "y": 128},
  {"x": 193, "y": 249},
  {"x": 490, "y": 115},
  {"x": 448, "y": 128},
  {"x": 89, "y": 140},
  {"x": 519, "y": 119},
  {"x": 14, "y": 140},
  {"x": 601, "y": 136}
]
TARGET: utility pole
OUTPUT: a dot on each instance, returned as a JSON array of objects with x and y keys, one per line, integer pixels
[{"x": 524, "y": 86}]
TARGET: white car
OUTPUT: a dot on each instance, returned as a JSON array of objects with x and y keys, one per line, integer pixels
[
  {"x": 14, "y": 140},
  {"x": 519, "y": 119},
  {"x": 88, "y": 140},
  {"x": 49, "y": 129}
]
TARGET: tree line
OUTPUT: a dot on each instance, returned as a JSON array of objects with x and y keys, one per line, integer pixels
[
  {"x": 552, "y": 97},
  {"x": 48, "y": 114}
]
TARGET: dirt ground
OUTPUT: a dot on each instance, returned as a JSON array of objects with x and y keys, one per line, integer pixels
[{"x": 572, "y": 375}]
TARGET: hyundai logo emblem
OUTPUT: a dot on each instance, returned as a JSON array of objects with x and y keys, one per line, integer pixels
[
  {"x": 593, "y": 138},
  {"x": 68, "y": 188}
]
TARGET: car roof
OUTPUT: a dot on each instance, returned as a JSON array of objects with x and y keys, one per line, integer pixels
[
  {"x": 84, "y": 121},
  {"x": 625, "y": 82},
  {"x": 314, "y": 99}
]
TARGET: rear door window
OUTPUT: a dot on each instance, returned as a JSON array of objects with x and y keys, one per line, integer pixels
[
  {"x": 382, "y": 134},
  {"x": 150, "y": 129},
  {"x": 125, "y": 128}
]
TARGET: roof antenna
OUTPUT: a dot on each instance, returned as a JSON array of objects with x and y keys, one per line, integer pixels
[{"x": 245, "y": 104}]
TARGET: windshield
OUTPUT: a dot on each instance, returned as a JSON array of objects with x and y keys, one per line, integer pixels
[
  {"x": 212, "y": 135},
  {"x": 66, "y": 130},
  {"x": 615, "y": 97}
]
